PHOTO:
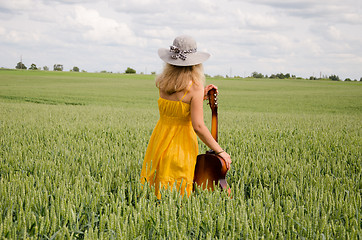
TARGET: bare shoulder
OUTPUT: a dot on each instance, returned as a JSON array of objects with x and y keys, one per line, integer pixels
[
  {"x": 196, "y": 91},
  {"x": 196, "y": 88},
  {"x": 189, "y": 93}
]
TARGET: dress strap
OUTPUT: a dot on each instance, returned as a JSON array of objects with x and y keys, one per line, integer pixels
[{"x": 187, "y": 91}]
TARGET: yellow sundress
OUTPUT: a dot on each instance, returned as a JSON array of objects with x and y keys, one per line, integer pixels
[{"x": 172, "y": 150}]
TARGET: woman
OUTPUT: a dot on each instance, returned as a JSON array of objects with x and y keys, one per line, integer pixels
[{"x": 172, "y": 150}]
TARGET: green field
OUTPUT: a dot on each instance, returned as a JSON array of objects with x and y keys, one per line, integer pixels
[{"x": 72, "y": 146}]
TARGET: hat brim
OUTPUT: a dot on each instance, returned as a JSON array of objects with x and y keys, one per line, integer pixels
[{"x": 192, "y": 58}]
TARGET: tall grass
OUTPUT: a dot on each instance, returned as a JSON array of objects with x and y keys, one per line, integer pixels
[{"x": 72, "y": 147}]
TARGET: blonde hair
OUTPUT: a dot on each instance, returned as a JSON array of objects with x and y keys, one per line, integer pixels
[{"x": 177, "y": 78}]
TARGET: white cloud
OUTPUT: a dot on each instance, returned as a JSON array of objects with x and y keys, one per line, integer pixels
[
  {"x": 138, "y": 6},
  {"x": 18, "y": 5},
  {"x": 260, "y": 21},
  {"x": 334, "y": 33},
  {"x": 103, "y": 30}
]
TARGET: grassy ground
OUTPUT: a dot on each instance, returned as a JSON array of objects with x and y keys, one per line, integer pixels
[
  {"x": 72, "y": 146},
  {"x": 137, "y": 91}
]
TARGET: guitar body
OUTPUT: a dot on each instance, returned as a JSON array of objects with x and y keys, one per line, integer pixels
[{"x": 210, "y": 169}]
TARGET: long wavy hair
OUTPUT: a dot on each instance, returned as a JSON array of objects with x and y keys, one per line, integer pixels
[{"x": 177, "y": 78}]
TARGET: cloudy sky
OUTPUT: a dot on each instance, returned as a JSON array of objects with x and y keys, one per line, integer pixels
[{"x": 300, "y": 37}]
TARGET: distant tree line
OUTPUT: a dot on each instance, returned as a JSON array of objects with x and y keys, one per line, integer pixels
[
  {"x": 59, "y": 67},
  {"x": 278, "y": 75},
  {"x": 287, "y": 76},
  {"x": 56, "y": 67},
  {"x": 20, "y": 65},
  {"x": 130, "y": 71}
]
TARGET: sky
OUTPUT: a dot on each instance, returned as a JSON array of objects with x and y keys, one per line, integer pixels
[{"x": 301, "y": 37}]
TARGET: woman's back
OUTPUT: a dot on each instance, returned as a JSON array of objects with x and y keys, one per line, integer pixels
[
  {"x": 171, "y": 153},
  {"x": 177, "y": 111}
]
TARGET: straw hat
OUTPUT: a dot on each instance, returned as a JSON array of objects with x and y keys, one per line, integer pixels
[{"x": 183, "y": 52}]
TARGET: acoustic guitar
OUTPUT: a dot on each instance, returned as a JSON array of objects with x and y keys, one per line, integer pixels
[{"x": 210, "y": 169}]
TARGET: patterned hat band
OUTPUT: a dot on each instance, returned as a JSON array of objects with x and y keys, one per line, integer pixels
[{"x": 181, "y": 54}]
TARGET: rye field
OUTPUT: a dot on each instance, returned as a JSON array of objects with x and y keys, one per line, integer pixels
[{"x": 72, "y": 146}]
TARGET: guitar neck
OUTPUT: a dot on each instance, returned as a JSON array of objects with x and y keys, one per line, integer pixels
[
  {"x": 214, "y": 124},
  {"x": 213, "y": 105}
]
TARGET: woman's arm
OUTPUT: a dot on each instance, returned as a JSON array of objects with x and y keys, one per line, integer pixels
[{"x": 197, "y": 118}]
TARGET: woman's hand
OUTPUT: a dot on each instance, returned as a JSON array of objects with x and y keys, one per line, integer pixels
[
  {"x": 227, "y": 159},
  {"x": 207, "y": 89}
]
